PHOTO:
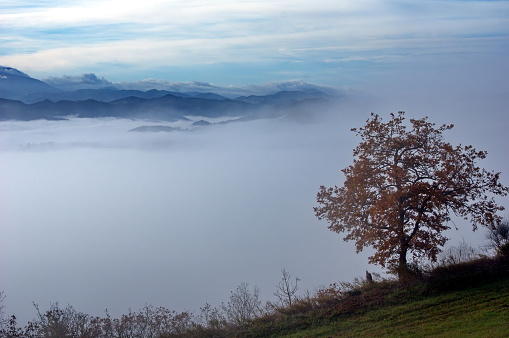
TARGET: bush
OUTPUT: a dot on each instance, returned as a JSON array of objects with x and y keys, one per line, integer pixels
[{"x": 498, "y": 238}]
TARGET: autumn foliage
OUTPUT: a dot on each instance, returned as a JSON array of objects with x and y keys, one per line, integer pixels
[{"x": 404, "y": 185}]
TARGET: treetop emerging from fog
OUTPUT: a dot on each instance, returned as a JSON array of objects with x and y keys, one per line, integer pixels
[{"x": 402, "y": 188}]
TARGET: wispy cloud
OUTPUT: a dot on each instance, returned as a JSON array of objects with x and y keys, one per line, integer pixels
[
  {"x": 55, "y": 37},
  {"x": 78, "y": 82}
]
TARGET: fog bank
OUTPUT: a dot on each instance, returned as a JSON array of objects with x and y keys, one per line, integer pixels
[{"x": 102, "y": 218}]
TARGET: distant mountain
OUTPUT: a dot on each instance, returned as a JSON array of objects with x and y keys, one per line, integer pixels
[
  {"x": 110, "y": 94},
  {"x": 8, "y": 71},
  {"x": 210, "y": 96},
  {"x": 16, "y": 85},
  {"x": 155, "y": 129},
  {"x": 105, "y": 94},
  {"x": 25, "y": 98},
  {"x": 193, "y": 88},
  {"x": 166, "y": 108},
  {"x": 230, "y": 92},
  {"x": 281, "y": 97},
  {"x": 201, "y": 123},
  {"x": 16, "y": 110}
]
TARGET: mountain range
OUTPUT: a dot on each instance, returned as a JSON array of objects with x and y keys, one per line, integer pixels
[{"x": 25, "y": 98}]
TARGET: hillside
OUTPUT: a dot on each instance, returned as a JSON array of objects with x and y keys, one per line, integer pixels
[
  {"x": 467, "y": 299},
  {"x": 480, "y": 311}
]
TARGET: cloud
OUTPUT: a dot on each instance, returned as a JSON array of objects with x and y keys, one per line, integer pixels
[
  {"x": 84, "y": 81},
  {"x": 112, "y": 219},
  {"x": 92, "y": 81},
  {"x": 228, "y": 91},
  {"x": 87, "y": 36},
  {"x": 156, "y": 12}
]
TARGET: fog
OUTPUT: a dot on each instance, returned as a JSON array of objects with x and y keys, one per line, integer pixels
[{"x": 101, "y": 218}]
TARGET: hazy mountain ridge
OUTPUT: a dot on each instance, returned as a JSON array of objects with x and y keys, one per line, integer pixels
[
  {"x": 107, "y": 94},
  {"x": 16, "y": 85},
  {"x": 25, "y": 98},
  {"x": 282, "y": 96},
  {"x": 9, "y": 71},
  {"x": 193, "y": 88}
]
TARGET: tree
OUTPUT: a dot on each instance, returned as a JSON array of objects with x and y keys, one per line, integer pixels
[
  {"x": 286, "y": 289},
  {"x": 403, "y": 187},
  {"x": 3, "y": 321},
  {"x": 244, "y": 305}
]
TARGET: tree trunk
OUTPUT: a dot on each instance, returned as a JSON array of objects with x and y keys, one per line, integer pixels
[{"x": 403, "y": 271}]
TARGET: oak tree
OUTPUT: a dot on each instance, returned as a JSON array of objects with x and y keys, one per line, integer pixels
[{"x": 404, "y": 185}]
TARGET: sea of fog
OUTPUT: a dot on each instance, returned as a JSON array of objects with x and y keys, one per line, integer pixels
[{"x": 102, "y": 218}]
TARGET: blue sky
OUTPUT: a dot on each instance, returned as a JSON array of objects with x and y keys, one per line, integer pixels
[{"x": 332, "y": 42}]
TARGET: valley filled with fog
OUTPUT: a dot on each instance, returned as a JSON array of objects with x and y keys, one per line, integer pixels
[
  {"x": 101, "y": 217},
  {"x": 163, "y": 153}
]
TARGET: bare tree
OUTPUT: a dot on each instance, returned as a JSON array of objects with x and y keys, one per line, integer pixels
[
  {"x": 149, "y": 322},
  {"x": 244, "y": 305},
  {"x": 286, "y": 289},
  {"x": 464, "y": 252},
  {"x": 3, "y": 320},
  {"x": 211, "y": 317}
]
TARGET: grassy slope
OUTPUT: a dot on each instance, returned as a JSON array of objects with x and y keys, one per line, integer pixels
[
  {"x": 467, "y": 299},
  {"x": 481, "y": 311}
]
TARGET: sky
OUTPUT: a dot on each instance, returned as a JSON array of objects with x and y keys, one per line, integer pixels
[
  {"x": 100, "y": 218},
  {"x": 341, "y": 43}
]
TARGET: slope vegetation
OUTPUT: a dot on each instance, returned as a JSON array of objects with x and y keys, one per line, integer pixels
[{"x": 467, "y": 299}]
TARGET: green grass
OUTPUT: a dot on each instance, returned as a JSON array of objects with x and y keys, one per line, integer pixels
[
  {"x": 481, "y": 312},
  {"x": 465, "y": 300}
]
